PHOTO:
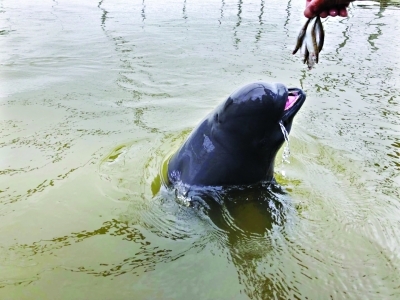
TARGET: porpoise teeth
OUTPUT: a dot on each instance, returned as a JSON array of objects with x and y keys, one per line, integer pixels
[{"x": 311, "y": 41}]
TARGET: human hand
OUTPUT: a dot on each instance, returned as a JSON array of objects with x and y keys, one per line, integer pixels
[{"x": 326, "y": 8}]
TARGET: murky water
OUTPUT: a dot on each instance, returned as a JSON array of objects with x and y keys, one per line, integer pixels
[{"x": 96, "y": 95}]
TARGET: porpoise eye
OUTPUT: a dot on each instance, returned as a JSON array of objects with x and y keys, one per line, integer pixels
[{"x": 216, "y": 118}]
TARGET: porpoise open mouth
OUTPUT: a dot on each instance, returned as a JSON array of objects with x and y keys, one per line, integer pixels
[
  {"x": 294, "y": 101},
  {"x": 292, "y": 98}
]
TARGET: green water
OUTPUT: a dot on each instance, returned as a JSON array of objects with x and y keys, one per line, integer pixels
[{"x": 94, "y": 96}]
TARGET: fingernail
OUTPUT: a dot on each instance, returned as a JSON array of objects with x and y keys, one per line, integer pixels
[{"x": 333, "y": 12}]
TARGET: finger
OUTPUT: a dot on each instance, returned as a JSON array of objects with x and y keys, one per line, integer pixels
[
  {"x": 323, "y": 14},
  {"x": 343, "y": 12},
  {"x": 333, "y": 12},
  {"x": 309, "y": 13}
]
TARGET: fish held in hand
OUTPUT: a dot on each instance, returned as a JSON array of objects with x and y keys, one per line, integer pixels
[{"x": 311, "y": 41}]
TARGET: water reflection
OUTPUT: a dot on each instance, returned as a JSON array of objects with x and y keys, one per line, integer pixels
[
  {"x": 374, "y": 36},
  {"x": 288, "y": 9},
  {"x": 54, "y": 14},
  {"x": 244, "y": 222},
  {"x": 387, "y": 3},
  {"x": 143, "y": 12},
  {"x": 260, "y": 21},
  {"x": 147, "y": 255},
  {"x": 184, "y": 14},
  {"x": 253, "y": 219},
  {"x": 236, "y": 40},
  {"x": 104, "y": 14},
  {"x": 222, "y": 12},
  {"x": 346, "y": 37}
]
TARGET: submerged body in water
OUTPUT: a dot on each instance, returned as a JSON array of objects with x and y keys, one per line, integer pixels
[{"x": 237, "y": 142}]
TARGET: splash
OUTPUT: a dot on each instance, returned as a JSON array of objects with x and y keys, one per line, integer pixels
[
  {"x": 181, "y": 194},
  {"x": 286, "y": 149}
]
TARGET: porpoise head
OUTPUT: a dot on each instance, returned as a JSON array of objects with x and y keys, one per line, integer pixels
[
  {"x": 237, "y": 142},
  {"x": 250, "y": 117}
]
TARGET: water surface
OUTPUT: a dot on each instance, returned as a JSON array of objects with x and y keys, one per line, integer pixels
[{"x": 95, "y": 95}]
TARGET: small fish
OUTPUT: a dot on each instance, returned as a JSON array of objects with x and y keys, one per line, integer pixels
[
  {"x": 311, "y": 41},
  {"x": 311, "y": 37}
]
